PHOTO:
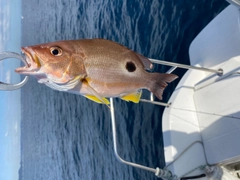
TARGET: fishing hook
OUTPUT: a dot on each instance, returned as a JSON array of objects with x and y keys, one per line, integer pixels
[{"x": 11, "y": 87}]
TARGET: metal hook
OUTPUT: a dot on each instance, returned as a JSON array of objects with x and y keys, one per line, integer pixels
[{"x": 11, "y": 87}]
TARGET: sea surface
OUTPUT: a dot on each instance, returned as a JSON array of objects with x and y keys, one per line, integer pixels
[{"x": 66, "y": 136}]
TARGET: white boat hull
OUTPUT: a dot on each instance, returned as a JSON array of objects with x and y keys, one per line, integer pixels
[{"x": 202, "y": 125}]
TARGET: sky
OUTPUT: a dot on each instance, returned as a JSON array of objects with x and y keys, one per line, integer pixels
[{"x": 10, "y": 107}]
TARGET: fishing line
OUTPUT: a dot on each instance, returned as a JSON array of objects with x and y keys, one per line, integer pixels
[{"x": 207, "y": 113}]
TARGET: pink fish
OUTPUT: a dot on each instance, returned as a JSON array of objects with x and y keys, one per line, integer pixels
[{"x": 94, "y": 68}]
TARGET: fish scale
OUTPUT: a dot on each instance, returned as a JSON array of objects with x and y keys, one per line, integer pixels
[{"x": 94, "y": 68}]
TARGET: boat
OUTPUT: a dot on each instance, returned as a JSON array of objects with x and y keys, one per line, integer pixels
[{"x": 201, "y": 121}]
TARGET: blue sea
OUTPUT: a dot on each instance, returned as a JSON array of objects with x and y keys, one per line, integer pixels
[{"x": 67, "y": 137}]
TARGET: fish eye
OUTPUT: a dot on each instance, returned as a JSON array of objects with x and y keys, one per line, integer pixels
[{"x": 56, "y": 51}]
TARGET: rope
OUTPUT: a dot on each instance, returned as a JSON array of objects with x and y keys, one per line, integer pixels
[{"x": 199, "y": 167}]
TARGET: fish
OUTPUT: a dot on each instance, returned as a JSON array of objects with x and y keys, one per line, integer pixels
[{"x": 95, "y": 68}]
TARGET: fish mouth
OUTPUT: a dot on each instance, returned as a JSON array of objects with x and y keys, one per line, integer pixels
[{"x": 33, "y": 62}]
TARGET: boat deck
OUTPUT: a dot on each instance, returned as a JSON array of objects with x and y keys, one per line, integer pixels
[{"x": 202, "y": 125}]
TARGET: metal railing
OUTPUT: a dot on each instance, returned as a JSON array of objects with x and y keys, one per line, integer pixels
[
  {"x": 11, "y": 87},
  {"x": 174, "y": 66},
  {"x": 235, "y": 2},
  {"x": 217, "y": 71},
  {"x": 164, "y": 174},
  {"x": 161, "y": 173}
]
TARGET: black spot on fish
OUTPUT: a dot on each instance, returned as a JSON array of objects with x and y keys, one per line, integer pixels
[{"x": 130, "y": 66}]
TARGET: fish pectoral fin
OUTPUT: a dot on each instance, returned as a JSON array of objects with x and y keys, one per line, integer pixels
[
  {"x": 103, "y": 100},
  {"x": 97, "y": 100},
  {"x": 133, "y": 97}
]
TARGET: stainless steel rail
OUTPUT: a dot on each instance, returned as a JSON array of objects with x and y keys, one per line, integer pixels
[
  {"x": 10, "y": 87},
  {"x": 164, "y": 174},
  {"x": 174, "y": 66},
  {"x": 161, "y": 173},
  {"x": 219, "y": 71}
]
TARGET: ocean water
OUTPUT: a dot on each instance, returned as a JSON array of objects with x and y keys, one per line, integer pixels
[
  {"x": 10, "y": 102},
  {"x": 66, "y": 136}
]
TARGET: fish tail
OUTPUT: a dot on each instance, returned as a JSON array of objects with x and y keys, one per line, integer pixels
[{"x": 158, "y": 83}]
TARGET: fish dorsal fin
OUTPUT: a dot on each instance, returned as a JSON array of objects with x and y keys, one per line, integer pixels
[
  {"x": 97, "y": 100},
  {"x": 146, "y": 62},
  {"x": 95, "y": 97},
  {"x": 133, "y": 97}
]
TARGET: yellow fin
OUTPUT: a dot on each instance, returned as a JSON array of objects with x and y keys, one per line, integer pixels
[
  {"x": 95, "y": 97},
  {"x": 97, "y": 100},
  {"x": 133, "y": 97}
]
